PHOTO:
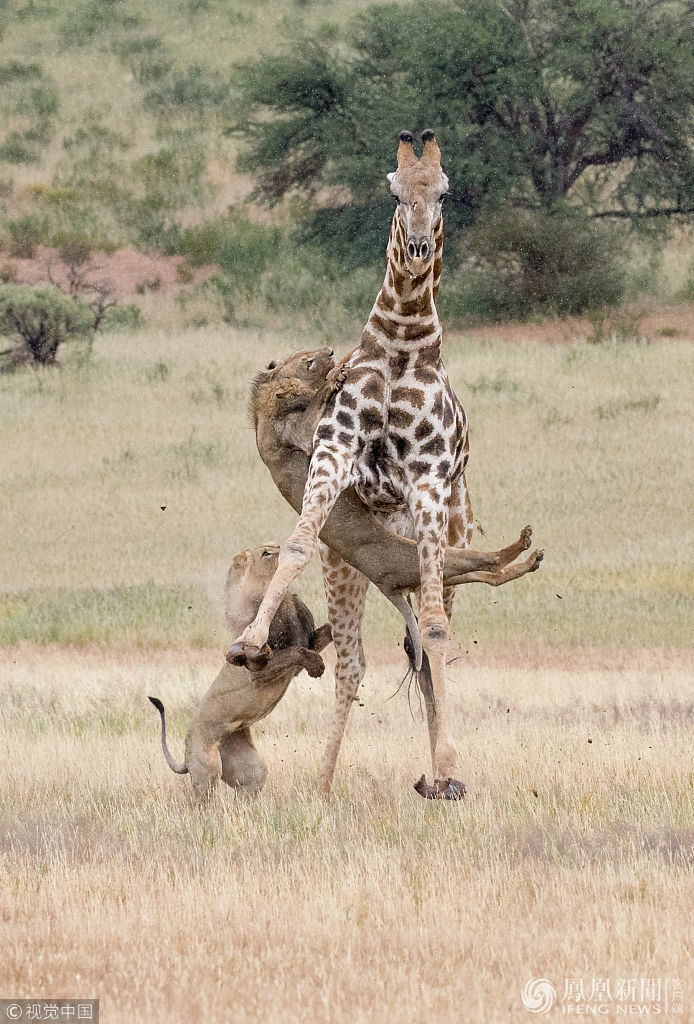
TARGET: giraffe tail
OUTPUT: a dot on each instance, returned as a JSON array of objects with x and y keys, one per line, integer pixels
[{"x": 405, "y": 609}]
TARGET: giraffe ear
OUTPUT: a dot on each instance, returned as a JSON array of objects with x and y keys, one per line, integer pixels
[{"x": 390, "y": 177}]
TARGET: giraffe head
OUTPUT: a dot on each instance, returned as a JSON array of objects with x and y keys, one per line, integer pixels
[{"x": 419, "y": 186}]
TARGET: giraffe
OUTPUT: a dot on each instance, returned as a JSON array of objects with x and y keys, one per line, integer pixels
[{"x": 395, "y": 431}]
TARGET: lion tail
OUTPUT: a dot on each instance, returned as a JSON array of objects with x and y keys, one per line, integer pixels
[{"x": 180, "y": 769}]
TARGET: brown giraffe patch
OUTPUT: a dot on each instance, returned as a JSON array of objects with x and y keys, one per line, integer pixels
[
  {"x": 424, "y": 428},
  {"x": 374, "y": 389},
  {"x": 414, "y": 396},
  {"x": 399, "y": 419},
  {"x": 370, "y": 420}
]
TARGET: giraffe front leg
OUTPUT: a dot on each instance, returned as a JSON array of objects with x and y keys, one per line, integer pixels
[
  {"x": 431, "y": 532},
  {"x": 328, "y": 476}
]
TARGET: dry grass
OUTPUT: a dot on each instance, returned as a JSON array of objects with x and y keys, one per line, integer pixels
[
  {"x": 569, "y": 857},
  {"x": 586, "y": 442}
]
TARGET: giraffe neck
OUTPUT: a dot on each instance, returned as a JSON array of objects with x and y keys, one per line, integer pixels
[{"x": 403, "y": 319}]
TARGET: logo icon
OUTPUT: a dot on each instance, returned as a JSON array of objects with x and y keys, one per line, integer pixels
[{"x": 538, "y": 995}]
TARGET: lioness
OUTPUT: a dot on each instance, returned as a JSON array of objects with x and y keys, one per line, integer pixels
[{"x": 218, "y": 742}]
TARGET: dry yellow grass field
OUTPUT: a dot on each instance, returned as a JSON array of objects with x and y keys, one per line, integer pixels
[
  {"x": 571, "y": 857},
  {"x": 573, "y": 854}
]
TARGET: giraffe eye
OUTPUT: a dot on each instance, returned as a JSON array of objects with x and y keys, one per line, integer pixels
[
  {"x": 266, "y": 554},
  {"x": 397, "y": 200},
  {"x": 309, "y": 363},
  {"x": 442, "y": 197}
]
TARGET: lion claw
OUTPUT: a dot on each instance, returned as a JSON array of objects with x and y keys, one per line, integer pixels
[{"x": 239, "y": 654}]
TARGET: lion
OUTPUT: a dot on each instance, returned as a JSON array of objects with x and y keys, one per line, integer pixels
[{"x": 218, "y": 743}]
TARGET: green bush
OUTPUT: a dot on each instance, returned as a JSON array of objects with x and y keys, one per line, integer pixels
[
  {"x": 123, "y": 318},
  {"x": 195, "y": 88},
  {"x": 43, "y": 317},
  {"x": 26, "y": 232},
  {"x": 87, "y": 21},
  {"x": 17, "y": 149},
  {"x": 18, "y": 71},
  {"x": 146, "y": 56},
  {"x": 520, "y": 262},
  {"x": 240, "y": 246}
]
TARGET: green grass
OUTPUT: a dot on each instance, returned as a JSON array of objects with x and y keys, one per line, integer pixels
[{"x": 129, "y": 483}]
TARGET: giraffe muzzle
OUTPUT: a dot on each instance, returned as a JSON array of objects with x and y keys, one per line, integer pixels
[{"x": 418, "y": 249}]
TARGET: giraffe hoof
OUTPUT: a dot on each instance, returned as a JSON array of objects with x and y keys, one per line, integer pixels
[
  {"x": 238, "y": 654},
  {"x": 526, "y": 537},
  {"x": 443, "y": 789},
  {"x": 455, "y": 790},
  {"x": 425, "y": 790}
]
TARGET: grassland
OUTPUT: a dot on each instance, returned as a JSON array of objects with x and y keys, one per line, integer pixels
[
  {"x": 129, "y": 482},
  {"x": 572, "y": 856}
]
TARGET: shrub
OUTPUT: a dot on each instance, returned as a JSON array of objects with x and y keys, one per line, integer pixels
[
  {"x": 18, "y": 71},
  {"x": 196, "y": 87},
  {"x": 520, "y": 262},
  {"x": 43, "y": 317},
  {"x": 123, "y": 318},
  {"x": 26, "y": 232},
  {"x": 146, "y": 56},
  {"x": 17, "y": 149}
]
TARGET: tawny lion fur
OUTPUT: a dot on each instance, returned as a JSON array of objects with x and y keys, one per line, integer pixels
[{"x": 218, "y": 743}]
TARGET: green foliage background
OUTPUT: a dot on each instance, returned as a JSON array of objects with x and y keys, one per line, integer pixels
[{"x": 127, "y": 123}]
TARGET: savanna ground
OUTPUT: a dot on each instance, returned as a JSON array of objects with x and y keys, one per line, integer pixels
[{"x": 128, "y": 482}]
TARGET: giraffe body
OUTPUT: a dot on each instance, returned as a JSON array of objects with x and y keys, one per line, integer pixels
[{"x": 397, "y": 433}]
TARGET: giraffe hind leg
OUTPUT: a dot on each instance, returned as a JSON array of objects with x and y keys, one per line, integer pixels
[{"x": 345, "y": 591}]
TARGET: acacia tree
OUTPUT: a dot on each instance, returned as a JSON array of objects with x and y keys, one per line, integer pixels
[{"x": 530, "y": 99}]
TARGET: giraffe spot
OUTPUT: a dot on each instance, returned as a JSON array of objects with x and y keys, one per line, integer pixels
[
  {"x": 386, "y": 301},
  {"x": 402, "y": 446},
  {"x": 345, "y": 438},
  {"x": 399, "y": 419},
  {"x": 344, "y": 419},
  {"x": 420, "y": 467},
  {"x": 397, "y": 365},
  {"x": 426, "y": 518},
  {"x": 370, "y": 420},
  {"x": 349, "y": 401},
  {"x": 448, "y": 415},
  {"x": 325, "y": 432},
  {"x": 437, "y": 405},
  {"x": 386, "y": 327},
  {"x": 426, "y": 375},
  {"x": 436, "y": 446},
  {"x": 418, "y": 331},
  {"x": 444, "y": 469},
  {"x": 369, "y": 349},
  {"x": 428, "y": 357},
  {"x": 423, "y": 429},
  {"x": 412, "y": 395},
  {"x": 373, "y": 389}
]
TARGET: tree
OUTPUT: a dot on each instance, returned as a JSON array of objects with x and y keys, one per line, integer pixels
[
  {"x": 530, "y": 99},
  {"x": 43, "y": 317}
]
